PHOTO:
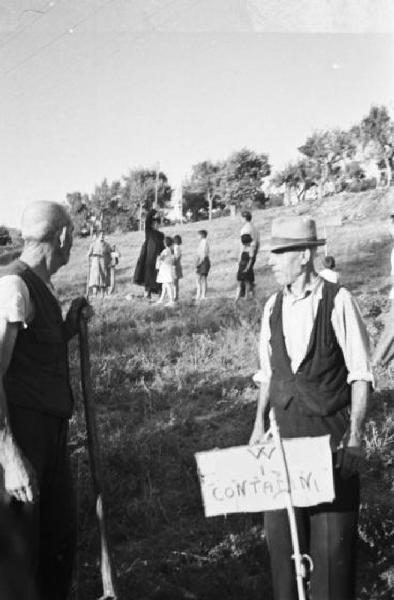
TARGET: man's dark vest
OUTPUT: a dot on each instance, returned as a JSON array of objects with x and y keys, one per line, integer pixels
[
  {"x": 319, "y": 387},
  {"x": 38, "y": 375}
]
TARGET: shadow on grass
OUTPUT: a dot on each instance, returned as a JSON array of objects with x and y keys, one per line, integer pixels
[
  {"x": 156, "y": 516},
  {"x": 167, "y": 548}
]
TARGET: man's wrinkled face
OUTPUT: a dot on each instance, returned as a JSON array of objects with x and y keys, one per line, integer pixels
[{"x": 287, "y": 265}]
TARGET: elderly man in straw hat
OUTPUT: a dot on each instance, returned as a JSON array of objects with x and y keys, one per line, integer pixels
[
  {"x": 315, "y": 373},
  {"x": 36, "y": 400}
]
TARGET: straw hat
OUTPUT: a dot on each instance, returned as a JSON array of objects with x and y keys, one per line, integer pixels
[{"x": 290, "y": 233}]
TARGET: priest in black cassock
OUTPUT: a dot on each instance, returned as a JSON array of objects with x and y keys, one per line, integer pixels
[{"x": 145, "y": 271}]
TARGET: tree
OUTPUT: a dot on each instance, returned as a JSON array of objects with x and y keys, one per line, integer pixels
[
  {"x": 202, "y": 189},
  {"x": 139, "y": 191},
  {"x": 196, "y": 202},
  {"x": 100, "y": 200},
  {"x": 79, "y": 207},
  {"x": 297, "y": 178},
  {"x": 120, "y": 204},
  {"x": 377, "y": 137},
  {"x": 328, "y": 151},
  {"x": 241, "y": 178}
]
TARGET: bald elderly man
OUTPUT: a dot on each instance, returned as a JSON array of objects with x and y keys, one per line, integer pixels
[{"x": 36, "y": 399}]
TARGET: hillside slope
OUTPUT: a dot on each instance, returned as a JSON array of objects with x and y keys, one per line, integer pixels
[{"x": 170, "y": 382}]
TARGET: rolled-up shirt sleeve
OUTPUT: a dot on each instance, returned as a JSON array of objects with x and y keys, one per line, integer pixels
[
  {"x": 263, "y": 375},
  {"x": 352, "y": 337},
  {"x": 15, "y": 303}
]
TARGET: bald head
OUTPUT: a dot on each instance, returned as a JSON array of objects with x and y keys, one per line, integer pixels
[{"x": 42, "y": 221}]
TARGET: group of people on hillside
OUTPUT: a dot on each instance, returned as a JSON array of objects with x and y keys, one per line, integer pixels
[
  {"x": 159, "y": 265},
  {"x": 315, "y": 378}
]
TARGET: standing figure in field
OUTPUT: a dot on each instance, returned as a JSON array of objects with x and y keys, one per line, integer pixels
[
  {"x": 203, "y": 265},
  {"x": 166, "y": 273},
  {"x": 36, "y": 400},
  {"x": 145, "y": 271},
  {"x": 250, "y": 229},
  {"x": 245, "y": 274},
  {"x": 315, "y": 375},
  {"x": 178, "y": 264},
  {"x": 99, "y": 265},
  {"x": 115, "y": 255}
]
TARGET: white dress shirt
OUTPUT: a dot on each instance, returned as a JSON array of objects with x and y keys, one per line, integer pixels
[{"x": 298, "y": 316}]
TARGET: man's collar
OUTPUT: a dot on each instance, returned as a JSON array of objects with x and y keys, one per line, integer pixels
[{"x": 313, "y": 286}]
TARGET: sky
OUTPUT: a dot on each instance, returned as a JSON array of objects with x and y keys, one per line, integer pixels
[{"x": 92, "y": 88}]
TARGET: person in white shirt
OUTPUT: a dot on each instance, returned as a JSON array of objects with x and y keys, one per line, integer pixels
[
  {"x": 36, "y": 400},
  {"x": 249, "y": 229},
  {"x": 315, "y": 374},
  {"x": 166, "y": 272}
]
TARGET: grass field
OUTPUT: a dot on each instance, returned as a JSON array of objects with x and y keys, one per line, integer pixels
[{"x": 170, "y": 382}]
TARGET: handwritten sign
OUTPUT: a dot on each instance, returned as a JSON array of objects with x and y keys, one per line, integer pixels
[{"x": 251, "y": 478}]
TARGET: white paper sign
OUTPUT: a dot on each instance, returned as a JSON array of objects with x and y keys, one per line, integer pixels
[{"x": 251, "y": 478}]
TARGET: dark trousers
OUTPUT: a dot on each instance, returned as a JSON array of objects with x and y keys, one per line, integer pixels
[
  {"x": 243, "y": 289},
  {"x": 327, "y": 532},
  {"x": 47, "y": 527}
]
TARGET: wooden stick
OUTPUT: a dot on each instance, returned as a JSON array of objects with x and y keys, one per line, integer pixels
[
  {"x": 107, "y": 570},
  {"x": 299, "y": 559}
]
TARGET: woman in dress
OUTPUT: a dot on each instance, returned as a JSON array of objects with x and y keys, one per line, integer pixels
[
  {"x": 99, "y": 264},
  {"x": 145, "y": 271}
]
